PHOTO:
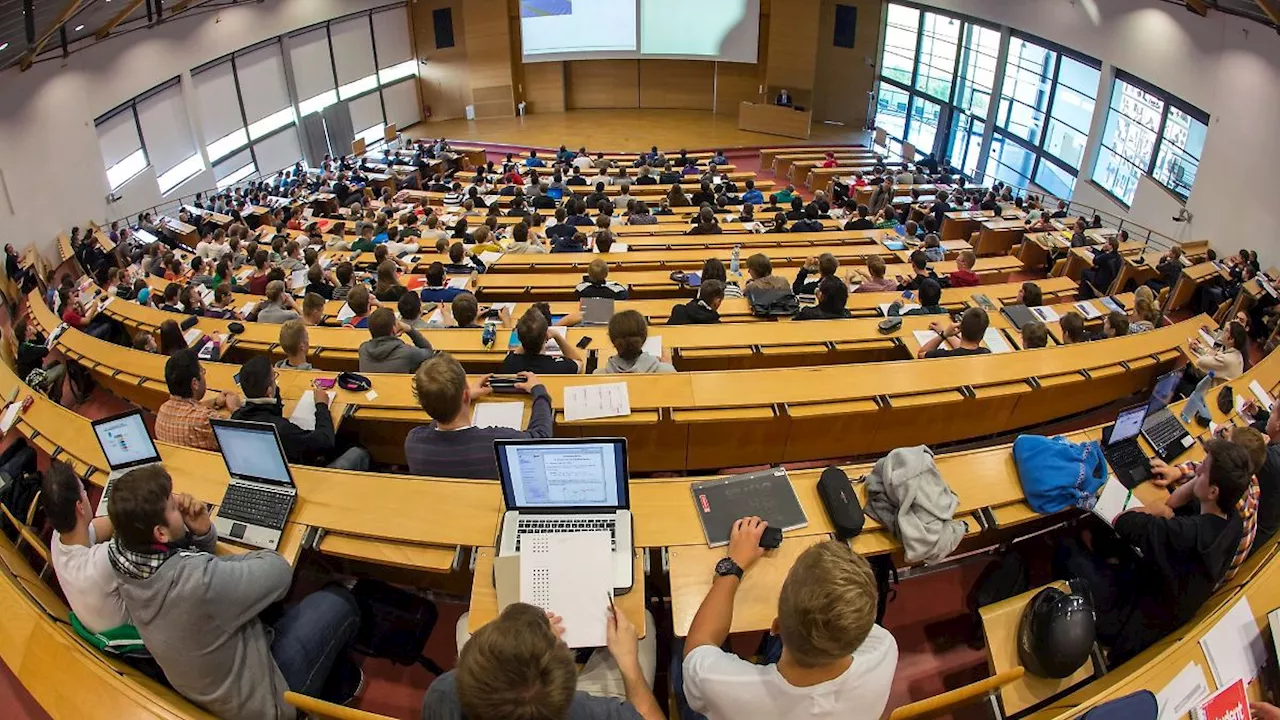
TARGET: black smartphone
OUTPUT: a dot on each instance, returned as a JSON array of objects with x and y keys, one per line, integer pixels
[
  {"x": 236, "y": 378},
  {"x": 584, "y": 342}
]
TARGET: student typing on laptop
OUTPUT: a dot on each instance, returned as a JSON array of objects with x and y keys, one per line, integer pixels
[
  {"x": 198, "y": 613},
  {"x": 452, "y": 446}
]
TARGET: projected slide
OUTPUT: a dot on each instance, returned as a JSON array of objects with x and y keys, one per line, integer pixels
[
  {"x": 575, "y": 27},
  {"x": 721, "y": 29}
]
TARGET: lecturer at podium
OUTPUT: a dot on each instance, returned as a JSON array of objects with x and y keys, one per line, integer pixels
[{"x": 784, "y": 98}]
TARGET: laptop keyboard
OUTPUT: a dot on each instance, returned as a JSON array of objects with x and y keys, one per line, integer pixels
[
  {"x": 1165, "y": 432},
  {"x": 560, "y": 525},
  {"x": 255, "y": 506},
  {"x": 1125, "y": 455}
]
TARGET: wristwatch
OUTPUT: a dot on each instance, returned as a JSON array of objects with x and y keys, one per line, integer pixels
[{"x": 727, "y": 566}]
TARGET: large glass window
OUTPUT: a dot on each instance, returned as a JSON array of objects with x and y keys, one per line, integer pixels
[
  {"x": 891, "y": 110},
  {"x": 902, "y": 35},
  {"x": 978, "y": 57},
  {"x": 936, "y": 62},
  {"x": 966, "y": 143},
  {"x": 1028, "y": 82},
  {"x": 1181, "y": 143},
  {"x": 924, "y": 124}
]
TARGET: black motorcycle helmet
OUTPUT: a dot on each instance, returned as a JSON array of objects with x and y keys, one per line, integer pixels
[{"x": 1056, "y": 634}]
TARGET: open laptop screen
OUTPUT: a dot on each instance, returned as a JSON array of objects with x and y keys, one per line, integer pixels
[
  {"x": 563, "y": 474},
  {"x": 1163, "y": 391},
  {"x": 1128, "y": 424},
  {"x": 124, "y": 440},
  {"x": 252, "y": 451}
]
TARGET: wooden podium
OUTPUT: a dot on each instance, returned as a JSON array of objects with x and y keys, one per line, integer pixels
[{"x": 774, "y": 120}]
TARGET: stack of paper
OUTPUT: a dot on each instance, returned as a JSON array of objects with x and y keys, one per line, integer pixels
[
  {"x": 192, "y": 335},
  {"x": 924, "y": 336},
  {"x": 1183, "y": 693},
  {"x": 588, "y": 402},
  {"x": 490, "y": 257},
  {"x": 570, "y": 574},
  {"x": 1264, "y": 399},
  {"x": 499, "y": 414},
  {"x": 1234, "y": 647}
]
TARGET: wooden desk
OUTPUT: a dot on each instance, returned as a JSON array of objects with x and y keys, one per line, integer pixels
[
  {"x": 774, "y": 120},
  {"x": 997, "y": 237},
  {"x": 768, "y": 155},
  {"x": 484, "y": 597},
  {"x": 1188, "y": 281}
]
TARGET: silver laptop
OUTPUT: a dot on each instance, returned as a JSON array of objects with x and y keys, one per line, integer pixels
[
  {"x": 552, "y": 486},
  {"x": 261, "y": 493},
  {"x": 597, "y": 311},
  {"x": 126, "y": 445}
]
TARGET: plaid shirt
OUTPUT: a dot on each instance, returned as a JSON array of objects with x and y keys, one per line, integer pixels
[
  {"x": 1246, "y": 508},
  {"x": 183, "y": 421}
]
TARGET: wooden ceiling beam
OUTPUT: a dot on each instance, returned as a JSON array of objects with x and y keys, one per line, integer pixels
[
  {"x": 67, "y": 13},
  {"x": 118, "y": 18}
]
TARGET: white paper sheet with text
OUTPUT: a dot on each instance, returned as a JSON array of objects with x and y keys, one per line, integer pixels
[
  {"x": 1183, "y": 693},
  {"x": 1234, "y": 647},
  {"x": 571, "y": 575},
  {"x": 499, "y": 414},
  {"x": 587, "y": 402},
  {"x": 304, "y": 413}
]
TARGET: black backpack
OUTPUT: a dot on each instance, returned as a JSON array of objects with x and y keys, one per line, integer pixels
[
  {"x": 886, "y": 577},
  {"x": 773, "y": 303},
  {"x": 19, "y": 483},
  {"x": 394, "y": 624}
]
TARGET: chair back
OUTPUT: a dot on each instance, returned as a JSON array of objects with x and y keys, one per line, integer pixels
[
  {"x": 961, "y": 696},
  {"x": 318, "y": 708}
]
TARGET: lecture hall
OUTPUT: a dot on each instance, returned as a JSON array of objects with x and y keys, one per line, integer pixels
[{"x": 639, "y": 359}]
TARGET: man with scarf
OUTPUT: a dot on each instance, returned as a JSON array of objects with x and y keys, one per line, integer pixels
[
  {"x": 301, "y": 446},
  {"x": 198, "y": 613}
]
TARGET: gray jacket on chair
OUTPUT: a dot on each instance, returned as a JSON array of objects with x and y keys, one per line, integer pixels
[{"x": 906, "y": 493}]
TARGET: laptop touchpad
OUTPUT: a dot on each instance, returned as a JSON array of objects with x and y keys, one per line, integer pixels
[{"x": 237, "y": 530}]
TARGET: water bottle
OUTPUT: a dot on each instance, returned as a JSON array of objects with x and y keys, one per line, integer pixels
[
  {"x": 1195, "y": 403},
  {"x": 733, "y": 259}
]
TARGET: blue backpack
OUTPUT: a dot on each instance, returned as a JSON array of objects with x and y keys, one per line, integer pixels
[{"x": 1057, "y": 474}]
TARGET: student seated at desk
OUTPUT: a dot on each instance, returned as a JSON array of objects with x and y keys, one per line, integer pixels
[
  {"x": 1227, "y": 363},
  {"x": 1184, "y": 555},
  {"x": 1169, "y": 268},
  {"x": 78, "y": 552},
  {"x": 1035, "y": 334},
  {"x": 517, "y": 667},
  {"x": 1072, "y": 324},
  {"x": 452, "y": 446},
  {"x": 964, "y": 276},
  {"x": 863, "y": 221},
  {"x": 930, "y": 297},
  {"x": 825, "y": 656},
  {"x": 760, "y": 268},
  {"x": 278, "y": 307},
  {"x": 628, "y": 331},
  {"x": 193, "y": 300},
  {"x": 409, "y": 306},
  {"x": 30, "y": 357},
  {"x": 954, "y": 340},
  {"x": 359, "y": 300},
  {"x": 779, "y": 224},
  {"x": 384, "y": 352},
  {"x": 199, "y": 272},
  {"x": 826, "y": 265},
  {"x": 920, "y": 264},
  {"x": 302, "y": 447},
  {"x": 296, "y": 344},
  {"x": 437, "y": 289},
  {"x": 596, "y": 284},
  {"x": 809, "y": 222},
  {"x": 388, "y": 287},
  {"x": 1114, "y": 324},
  {"x": 874, "y": 279},
  {"x": 932, "y": 248},
  {"x": 706, "y": 223},
  {"x": 533, "y": 332},
  {"x": 1030, "y": 295},
  {"x": 257, "y": 282},
  {"x": 1106, "y": 267},
  {"x": 832, "y": 294},
  {"x": 183, "y": 419},
  {"x": 199, "y": 613},
  {"x": 751, "y": 194},
  {"x": 713, "y": 269},
  {"x": 462, "y": 262},
  {"x": 1146, "y": 315},
  {"x": 702, "y": 311}
]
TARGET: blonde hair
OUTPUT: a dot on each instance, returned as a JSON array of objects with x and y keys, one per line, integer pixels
[
  {"x": 438, "y": 384},
  {"x": 292, "y": 334},
  {"x": 827, "y": 605}
]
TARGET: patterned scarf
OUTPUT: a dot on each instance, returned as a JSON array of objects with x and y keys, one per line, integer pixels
[{"x": 138, "y": 565}]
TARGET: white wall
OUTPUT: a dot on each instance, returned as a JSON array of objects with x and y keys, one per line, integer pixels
[
  {"x": 49, "y": 157},
  {"x": 1225, "y": 65}
]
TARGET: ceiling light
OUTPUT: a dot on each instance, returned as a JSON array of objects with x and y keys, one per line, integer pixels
[{"x": 78, "y": 28}]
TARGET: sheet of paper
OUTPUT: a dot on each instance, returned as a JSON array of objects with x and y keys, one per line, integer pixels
[
  {"x": 192, "y": 335},
  {"x": 53, "y": 336},
  {"x": 904, "y": 309},
  {"x": 1047, "y": 314},
  {"x": 298, "y": 279},
  {"x": 345, "y": 313},
  {"x": 1114, "y": 499},
  {"x": 436, "y": 318},
  {"x": 106, "y": 301},
  {"x": 653, "y": 346},
  {"x": 247, "y": 308},
  {"x": 570, "y": 574},
  {"x": 1234, "y": 647},
  {"x": 552, "y": 347},
  {"x": 506, "y": 580},
  {"x": 508, "y": 306},
  {"x": 10, "y": 415},
  {"x": 587, "y": 402},
  {"x": 459, "y": 282},
  {"x": 499, "y": 414},
  {"x": 371, "y": 395},
  {"x": 1183, "y": 693},
  {"x": 1264, "y": 398},
  {"x": 304, "y": 413},
  {"x": 1088, "y": 310},
  {"x": 995, "y": 341},
  {"x": 924, "y": 336},
  {"x": 1207, "y": 339},
  {"x": 490, "y": 257}
]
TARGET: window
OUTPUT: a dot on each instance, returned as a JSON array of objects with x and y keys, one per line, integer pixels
[
  {"x": 224, "y": 146},
  {"x": 1054, "y": 179},
  {"x": 979, "y": 55},
  {"x": 924, "y": 124},
  {"x": 317, "y": 103},
  {"x": 1181, "y": 143},
  {"x": 1028, "y": 81},
  {"x": 180, "y": 173},
  {"x": 358, "y": 87},
  {"x": 891, "y": 110},
  {"x": 902, "y": 35},
  {"x": 937, "y": 59},
  {"x": 966, "y": 143},
  {"x": 372, "y": 135},
  {"x": 127, "y": 169},
  {"x": 1128, "y": 140},
  {"x": 1010, "y": 162},
  {"x": 221, "y": 117},
  {"x": 1071, "y": 113},
  {"x": 408, "y": 68},
  {"x": 240, "y": 174},
  {"x": 270, "y": 123}
]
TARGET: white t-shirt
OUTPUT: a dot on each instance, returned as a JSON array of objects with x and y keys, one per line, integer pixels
[
  {"x": 86, "y": 578},
  {"x": 723, "y": 686}
]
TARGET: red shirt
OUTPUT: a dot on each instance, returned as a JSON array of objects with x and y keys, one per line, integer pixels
[
  {"x": 964, "y": 278},
  {"x": 828, "y": 163},
  {"x": 258, "y": 284},
  {"x": 73, "y": 318}
]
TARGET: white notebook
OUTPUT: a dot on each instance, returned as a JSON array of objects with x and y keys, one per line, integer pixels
[
  {"x": 571, "y": 575},
  {"x": 1114, "y": 499}
]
